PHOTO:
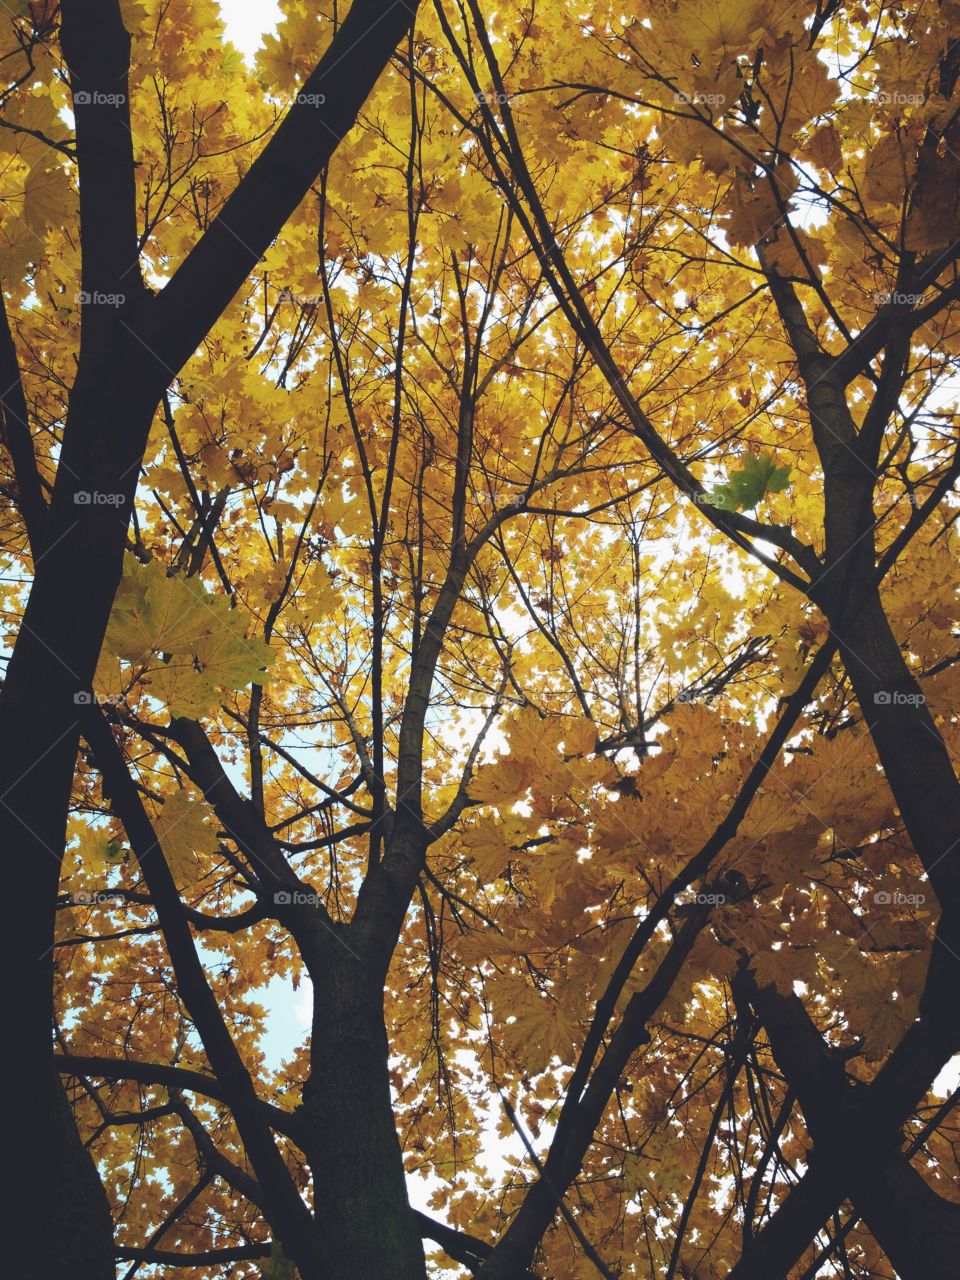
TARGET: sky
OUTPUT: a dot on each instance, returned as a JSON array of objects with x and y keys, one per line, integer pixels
[{"x": 247, "y": 21}]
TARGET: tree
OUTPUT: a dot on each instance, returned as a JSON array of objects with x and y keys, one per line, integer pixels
[
  {"x": 534, "y": 637},
  {"x": 106, "y": 383}
]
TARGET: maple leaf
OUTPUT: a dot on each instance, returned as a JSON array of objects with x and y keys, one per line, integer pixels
[
  {"x": 500, "y": 782},
  {"x": 190, "y": 642},
  {"x": 488, "y": 848},
  {"x": 96, "y": 846},
  {"x": 824, "y": 149},
  {"x": 579, "y": 736},
  {"x": 774, "y": 967},
  {"x": 185, "y": 832},
  {"x": 278, "y": 1266},
  {"x": 155, "y": 612},
  {"x": 632, "y": 1171},
  {"x": 540, "y": 1031},
  {"x": 746, "y": 487},
  {"x": 45, "y": 195}
]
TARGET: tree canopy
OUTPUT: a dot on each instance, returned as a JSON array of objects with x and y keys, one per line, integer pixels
[{"x": 480, "y": 562}]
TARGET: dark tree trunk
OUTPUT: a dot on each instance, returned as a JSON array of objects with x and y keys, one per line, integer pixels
[
  {"x": 361, "y": 1206},
  {"x": 51, "y": 667},
  {"x": 74, "y": 1226}
]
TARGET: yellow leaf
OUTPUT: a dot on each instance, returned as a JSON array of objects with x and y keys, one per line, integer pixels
[
  {"x": 185, "y": 833},
  {"x": 45, "y": 196},
  {"x": 489, "y": 850},
  {"x": 824, "y": 151},
  {"x": 579, "y": 736},
  {"x": 201, "y": 639},
  {"x": 539, "y": 1032},
  {"x": 632, "y": 1174},
  {"x": 154, "y": 613},
  {"x": 889, "y": 168},
  {"x": 500, "y": 783}
]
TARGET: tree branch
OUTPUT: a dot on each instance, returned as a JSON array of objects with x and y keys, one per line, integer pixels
[{"x": 326, "y": 107}]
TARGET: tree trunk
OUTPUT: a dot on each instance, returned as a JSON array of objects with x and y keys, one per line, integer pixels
[
  {"x": 913, "y": 755},
  {"x": 361, "y": 1205},
  {"x": 51, "y": 668},
  {"x": 920, "y": 774},
  {"x": 73, "y": 1233}
]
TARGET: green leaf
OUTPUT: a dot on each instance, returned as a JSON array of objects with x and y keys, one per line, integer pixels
[
  {"x": 745, "y": 488},
  {"x": 231, "y": 61},
  {"x": 156, "y": 613},
  {"x": 185, "y": 832},
  {"x": 278, "y": 1266},
  {"x": 188, "y": 644}
]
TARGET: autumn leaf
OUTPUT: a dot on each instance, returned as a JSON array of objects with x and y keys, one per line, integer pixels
[
  {"x": 186, "y": 833},
  {"x": 487, "y": 847},
  {"x": 632, "y": 1174},
  {"x": 155, "y": 613},
  {"x": 580, "y": 737},
  {"x": 824, "y": 149},
  {"x": 45, "y": 196},
  {"x": 500, "y": 783},
  {"x": 538, "y": 1032}
]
